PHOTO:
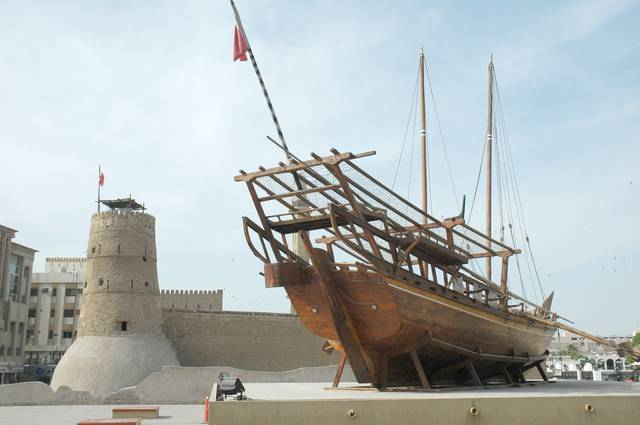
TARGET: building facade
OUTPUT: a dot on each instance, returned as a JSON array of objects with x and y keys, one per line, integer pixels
[
  {"x": 16, "y": 264},
  {"x": 562, "y": 339},
  {"x": 54, "y": 309}
]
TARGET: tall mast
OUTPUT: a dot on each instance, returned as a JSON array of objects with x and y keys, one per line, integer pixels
[
  {"x": 489, "y": 160},
  {"x": 423, "y": 138}
]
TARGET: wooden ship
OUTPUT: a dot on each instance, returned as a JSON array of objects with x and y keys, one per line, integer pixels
[{"x": 389, "y": 285}]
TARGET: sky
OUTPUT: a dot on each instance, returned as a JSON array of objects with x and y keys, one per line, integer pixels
[{"x": 148, "y": 90}]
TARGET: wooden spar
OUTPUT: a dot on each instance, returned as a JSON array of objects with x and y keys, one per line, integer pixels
[
  {"x": 630, "y": 351},
  {"x": 489, "y": 160},
  {"x": 423, "y": 138},
  {"x": 283, "y": 143}
]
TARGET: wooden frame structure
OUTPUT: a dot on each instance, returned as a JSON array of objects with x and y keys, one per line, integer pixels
[{"x": 393, "y": 288}]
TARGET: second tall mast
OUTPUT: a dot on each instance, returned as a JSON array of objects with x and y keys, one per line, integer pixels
[
  {"x": 489, "y": 161},
  {"x": 423, "y": 138}
]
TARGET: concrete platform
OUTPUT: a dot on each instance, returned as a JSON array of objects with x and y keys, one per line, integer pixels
[
  {"x": 141, "y": 412},
  {"x": 564, "y": 402},
  {"x": 172, "y": 414}
]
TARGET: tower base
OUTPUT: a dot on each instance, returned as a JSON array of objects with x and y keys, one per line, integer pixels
[{"x": 103, "y": 364}]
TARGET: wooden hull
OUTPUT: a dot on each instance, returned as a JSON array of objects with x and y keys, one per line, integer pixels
[{"x": 390, "y": 315}]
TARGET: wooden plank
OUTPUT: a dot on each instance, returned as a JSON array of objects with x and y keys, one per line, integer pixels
[
  {"x": 311, "y": 223},
  {"x": 299, "y": 193}
]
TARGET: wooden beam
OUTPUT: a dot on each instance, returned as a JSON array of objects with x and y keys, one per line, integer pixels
[
  {"x": 416, "y": 363},
  {"x": 474, "y": 374},
  {"x": 336, "y": 379},
  {"x": 360, "y": 361},
  {"x": 298, "y": 192},
  {"x": 295, "y": 166}
]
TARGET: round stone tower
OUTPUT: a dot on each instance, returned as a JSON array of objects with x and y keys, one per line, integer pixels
[{"x": 120, "y": 340}]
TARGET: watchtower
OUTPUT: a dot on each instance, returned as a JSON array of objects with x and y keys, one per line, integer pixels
[{"x": 120, "y": 340}]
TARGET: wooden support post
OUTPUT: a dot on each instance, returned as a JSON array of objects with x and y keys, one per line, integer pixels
[
  {"x": 504, "y": 299},
  {"x": 474, "y": 375},
  {"x": 507, "y": 375},
  {"x": 382, "y": 372},
  {"x": 416, "y": 363},
  {"x": 519, "y": 375},
  {"x": 336, "y": 379},
  {"x": 542, "y": 372}
]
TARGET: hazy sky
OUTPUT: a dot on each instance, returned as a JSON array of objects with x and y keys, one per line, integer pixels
[{"x": 148, "y": 90}]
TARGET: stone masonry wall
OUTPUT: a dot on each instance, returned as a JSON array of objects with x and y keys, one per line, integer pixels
[
  {"x": 121, "y": 276},
  {"x": 252, "y": 341}
]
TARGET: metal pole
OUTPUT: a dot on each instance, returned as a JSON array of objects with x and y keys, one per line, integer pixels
[
  {"x": 489, "y": 161},
  {"x": 423, "y": 138},
  {"x": 261, "y": 81}
]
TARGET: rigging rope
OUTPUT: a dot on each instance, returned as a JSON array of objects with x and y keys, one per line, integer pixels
[
  {"x": 516, "y": 192},
  {"x": 442, "y": 141},
  {"x": 406, "y": 130}
]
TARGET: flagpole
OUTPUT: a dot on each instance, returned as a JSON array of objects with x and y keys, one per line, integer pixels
[
  {"x": 99, "y": 174},
  {"x": 261, "y": 81}
]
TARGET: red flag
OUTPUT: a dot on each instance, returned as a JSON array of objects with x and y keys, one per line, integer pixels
[
  {"x": 239, "y": 46},
  {"x": 101, "y": 179}
]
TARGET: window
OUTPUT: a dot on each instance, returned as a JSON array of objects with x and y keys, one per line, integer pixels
[
  {"x": 15, "y": 267},
  {"x": 52, "y": 314},
  {"x": 123, "y": 326},
  {"x": 50, "y": 334},
  {"x": 100, "y": 282},
  {"x": 33, "y": 292},
  {"x": 66, "y": 334},
  {"x": 69, "y": 292},
  {"x": 32, "y": 312},
  {"x": 68, "y": 313},
  {"x": 53, "y": 293}
]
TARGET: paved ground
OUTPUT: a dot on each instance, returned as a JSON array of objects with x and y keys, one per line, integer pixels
[
  {"x": 192, "y": 414},
  {"x": 70, "y": 415}
]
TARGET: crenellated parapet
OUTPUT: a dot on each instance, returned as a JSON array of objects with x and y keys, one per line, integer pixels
[
  {"x": 191, "y": 300},
  {"x": 190, "y": 292},
  {"x": 64, "y": 259},
  {"x": 123, "y": 220}
]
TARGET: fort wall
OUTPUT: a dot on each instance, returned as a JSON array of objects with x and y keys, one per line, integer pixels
[
  {"x": 191, "y": 300},
  {"x": 244, "y": 340}
]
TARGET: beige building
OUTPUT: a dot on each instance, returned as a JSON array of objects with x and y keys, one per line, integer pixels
[
  {"x": 562, "y": 339},
  {"x": 16, "y": 264},
  {"x": 55, "y": 303},
  {"x": 54, "y": 309}
]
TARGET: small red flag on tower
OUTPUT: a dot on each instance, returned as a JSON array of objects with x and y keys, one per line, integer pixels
[
  {"x": 240, "y": 46},
  {"x": 101, "y": 179}
]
